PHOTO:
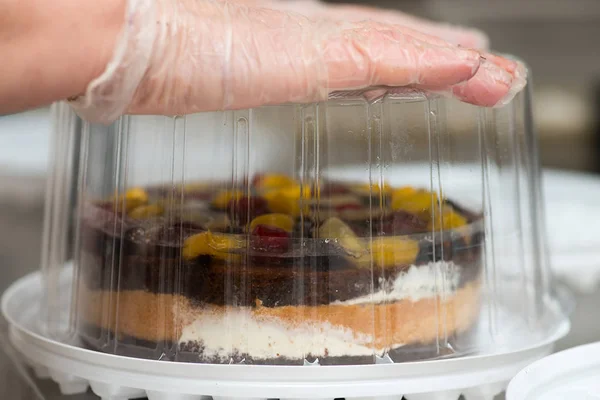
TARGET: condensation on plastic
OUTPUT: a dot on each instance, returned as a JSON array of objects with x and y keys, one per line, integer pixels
[
  {"x": 243, "y": 57},
  {"x": 312, "y": 296}
]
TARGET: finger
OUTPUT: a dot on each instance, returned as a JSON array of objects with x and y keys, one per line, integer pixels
[
  {"x": 466, "y": 37},
  {"x": 456, "y": 35},
  {"x": 332, "y": 58},
  {"x": 492, "y": 85},
  {"x": 509, "y": 65},
  {"x": 374, "y": 54}
]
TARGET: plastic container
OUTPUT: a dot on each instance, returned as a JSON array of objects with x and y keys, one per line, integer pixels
[
  {"x": 569, "y": 374},
  {"x": 360, "y": 230}
]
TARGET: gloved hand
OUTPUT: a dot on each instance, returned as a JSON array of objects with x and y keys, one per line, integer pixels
[
  {"x": 183, "y": 56},
  {"x": 316, "y": 9}
]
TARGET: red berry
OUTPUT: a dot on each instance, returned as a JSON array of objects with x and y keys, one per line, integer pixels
[{"x": 270, "y": 239}]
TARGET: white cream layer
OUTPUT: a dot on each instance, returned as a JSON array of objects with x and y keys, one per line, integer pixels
[
  {"x": 237, "y": 330},
  {"x": 417, "y": 283}
]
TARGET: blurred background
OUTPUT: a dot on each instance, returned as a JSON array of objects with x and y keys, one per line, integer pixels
[{"x": 558, "y": 39}]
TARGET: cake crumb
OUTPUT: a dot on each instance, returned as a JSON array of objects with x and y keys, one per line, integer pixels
[{"x": 258, "y": 303}]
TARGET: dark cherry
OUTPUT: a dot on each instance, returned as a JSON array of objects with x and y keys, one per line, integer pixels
[
  {"x": 269, "y": 239},
  {"x": 245, "y": 209}
]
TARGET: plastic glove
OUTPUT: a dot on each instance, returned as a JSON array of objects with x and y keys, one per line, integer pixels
[
  {"x": 314, "y": 9},
  {"x": 183, "y": 56}
]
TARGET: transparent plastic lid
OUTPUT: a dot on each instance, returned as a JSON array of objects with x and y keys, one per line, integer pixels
[{"x": 353, "y": 231}]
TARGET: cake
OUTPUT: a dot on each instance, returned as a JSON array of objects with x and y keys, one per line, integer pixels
[{"x": 269, "y": 271}]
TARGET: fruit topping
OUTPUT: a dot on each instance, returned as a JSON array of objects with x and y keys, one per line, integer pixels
[
  {"x": 339, "y": 200},
  {"x": 276, "y": 221},
  {"x": 222, "y": 199},
  {"x": 373, "y": 189},
  {"x": 266, "y": 238},
  {"x": 419, "y": 201},
  {"x": 336, "y": 230},
  {"x": 132, "y": 198},
  {"x": 145, "y": 212},
  {"x": 391, "y": 251},
  {"x": 272, "y": 181},
  {"x": 403, "y": 192},
  {"x": 288, "y": 200},
  {"x": 451, "y": 219},
  {"x": 217, "y": 245},
  {"x": 363, "y": 214},
  {"x": 245, "y": 208},
  {"x": 218, "y": 223}
]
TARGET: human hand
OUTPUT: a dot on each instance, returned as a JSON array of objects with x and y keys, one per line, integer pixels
[
  {"x": 315, "y": 9},
  {"x": 206, "y": 55}
]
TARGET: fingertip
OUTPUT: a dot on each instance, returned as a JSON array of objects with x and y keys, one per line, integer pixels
[
  {"x": 509, "y": 65},
  {"x": 518, "y": 83},
  {"x": 490, "y": 86},
  {"x": 448, "y": 66},
  {"x": 493, "y": 86}
]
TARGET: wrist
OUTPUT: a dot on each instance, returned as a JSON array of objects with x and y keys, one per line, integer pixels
[
  {"x": 109, "y": 94},
  {"x": 53, "y": 49}
]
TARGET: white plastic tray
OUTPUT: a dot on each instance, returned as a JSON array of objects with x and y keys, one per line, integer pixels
[
  {"x": 570, "y": 374},
  {"x": 114, "y": 377}
]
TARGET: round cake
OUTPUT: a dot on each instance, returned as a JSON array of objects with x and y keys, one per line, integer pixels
[{"x": 271, "y": 271}]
